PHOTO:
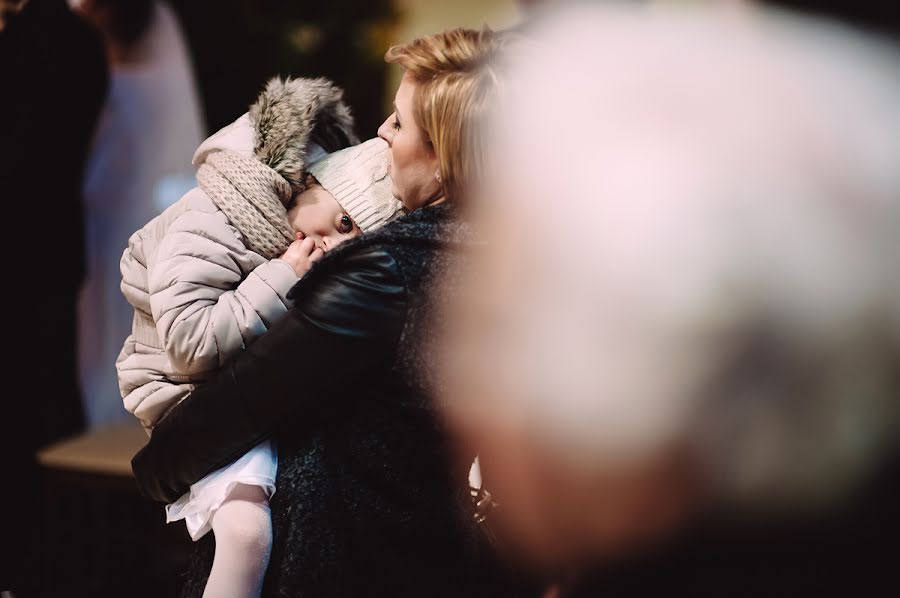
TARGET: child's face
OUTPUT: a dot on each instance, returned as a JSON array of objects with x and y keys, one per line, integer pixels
[{"x": 318, "y": 215}]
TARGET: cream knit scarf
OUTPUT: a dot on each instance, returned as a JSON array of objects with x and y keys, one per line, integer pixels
[{"x": 253, "y": 197}]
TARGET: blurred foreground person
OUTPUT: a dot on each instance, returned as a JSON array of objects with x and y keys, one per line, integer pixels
[
  {"x": 679, "y": 358},
  {"x": 53, "y": 81}
]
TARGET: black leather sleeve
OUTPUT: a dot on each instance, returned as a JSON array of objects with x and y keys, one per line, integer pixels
[{"x": 345, "y": 324}]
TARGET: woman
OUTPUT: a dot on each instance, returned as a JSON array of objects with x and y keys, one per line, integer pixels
[{"x": 370, "y": 499}]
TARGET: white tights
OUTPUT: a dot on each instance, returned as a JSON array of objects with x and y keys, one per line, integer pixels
[{"x": 243, "y": 529}]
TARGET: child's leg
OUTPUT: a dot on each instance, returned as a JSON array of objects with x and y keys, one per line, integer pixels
[{"x": 243, "y": 529}]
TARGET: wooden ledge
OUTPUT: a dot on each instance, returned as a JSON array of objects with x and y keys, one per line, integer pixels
[{"x": 105, "y": 451}]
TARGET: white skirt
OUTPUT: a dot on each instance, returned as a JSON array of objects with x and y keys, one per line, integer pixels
[{"x": 257, "y": 468}]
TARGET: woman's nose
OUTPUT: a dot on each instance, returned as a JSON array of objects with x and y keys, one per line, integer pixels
[{"x": 386, "y": 131}]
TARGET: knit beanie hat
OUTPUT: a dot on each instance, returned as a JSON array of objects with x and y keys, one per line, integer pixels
[{"x": 357, "y": 178}]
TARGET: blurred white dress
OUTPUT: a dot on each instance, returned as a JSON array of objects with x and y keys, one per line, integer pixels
[
  {"x": 256, "y": 468},
  {"x": 139, "y": 164}
]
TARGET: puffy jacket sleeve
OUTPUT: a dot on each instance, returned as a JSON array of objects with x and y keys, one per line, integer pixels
[
  {"x": 345, "y": 326},
  {"x": 204, "y": 312}
]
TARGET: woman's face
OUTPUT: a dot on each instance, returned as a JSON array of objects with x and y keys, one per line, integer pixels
[{"x": 413, "y": 164}]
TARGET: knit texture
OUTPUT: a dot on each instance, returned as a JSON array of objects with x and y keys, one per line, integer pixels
[
  {"x": 290, "y": 118},
  {"x": 253, "y": 197},
  {"x": 357, "y": 178}
]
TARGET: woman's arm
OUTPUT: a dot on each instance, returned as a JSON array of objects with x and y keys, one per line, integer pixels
[{"x": 346, "y": 323}]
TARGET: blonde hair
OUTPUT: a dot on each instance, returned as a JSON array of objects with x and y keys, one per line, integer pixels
[{"x": 455, "y": 88}]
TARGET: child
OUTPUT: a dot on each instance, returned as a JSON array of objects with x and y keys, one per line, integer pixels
[{"x": 212, "y": 273}]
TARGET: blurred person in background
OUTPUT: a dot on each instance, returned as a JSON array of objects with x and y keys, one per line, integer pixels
[
  {"x": 54, "y": 80},
  {"x": 370, "y": 497},
  {"x": 140, "y": 163},
  {"x": 679, "y": 358}
]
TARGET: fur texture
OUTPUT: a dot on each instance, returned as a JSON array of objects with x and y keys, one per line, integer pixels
[
  {"x": 369, "y": 502},
  {"x": 291, "y": 113}
]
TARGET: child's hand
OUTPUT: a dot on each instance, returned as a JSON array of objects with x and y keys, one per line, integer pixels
[{"x": 302, "y": 254}]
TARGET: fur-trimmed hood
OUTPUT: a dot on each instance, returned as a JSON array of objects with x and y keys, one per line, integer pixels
[{"x": 290, "y": 120}]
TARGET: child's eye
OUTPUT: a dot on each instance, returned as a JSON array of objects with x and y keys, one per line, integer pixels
[
  {"x": 346, "y": 225},
  {"x": 396, "y": 124}
]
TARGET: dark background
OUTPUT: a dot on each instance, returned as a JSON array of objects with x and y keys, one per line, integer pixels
[{"x": 237, "y": 45}]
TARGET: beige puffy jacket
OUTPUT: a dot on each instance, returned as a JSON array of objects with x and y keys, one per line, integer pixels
[{"x": 199, "y": 294}]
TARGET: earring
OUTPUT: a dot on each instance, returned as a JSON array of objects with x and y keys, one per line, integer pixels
[{"x": 437, "y": 176}]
